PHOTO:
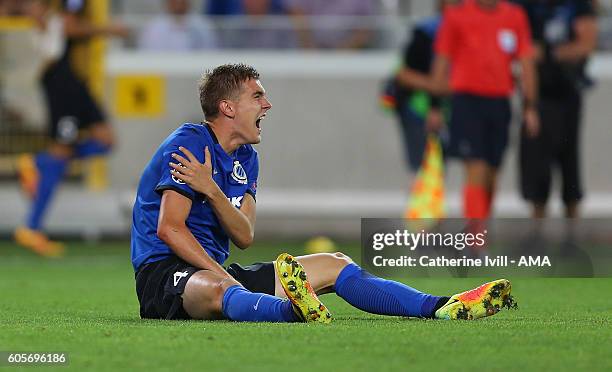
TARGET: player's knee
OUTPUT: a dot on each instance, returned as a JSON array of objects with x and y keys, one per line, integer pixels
[
  {"x": 104, "y": 133},
  {"x": 203, "y": 295},
  {"x": 61, "y": 150},
  {"x": 341, "y": 259},
  {"x": 218, "y": 293},
  {"x": 334, "y": 264},
  {"x": 109, "y": 140},
  {"x": 216, "y": 297}
]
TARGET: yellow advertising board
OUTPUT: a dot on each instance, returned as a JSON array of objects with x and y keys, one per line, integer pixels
[{"x": 140, "y": 96}]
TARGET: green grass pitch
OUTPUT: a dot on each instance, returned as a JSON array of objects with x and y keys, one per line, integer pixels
[{"x": 85, "y": 305}]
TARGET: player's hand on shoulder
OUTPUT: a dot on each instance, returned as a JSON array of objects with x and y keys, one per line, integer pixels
[{"x": 196, "y": 175}]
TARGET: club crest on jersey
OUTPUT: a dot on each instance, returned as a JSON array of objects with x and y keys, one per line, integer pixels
[
  {"x": 507, "y": 41},
  {"x": 238, "y": 173}
]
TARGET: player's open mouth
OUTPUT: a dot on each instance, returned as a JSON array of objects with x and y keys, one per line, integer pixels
[{"x": 258, "y": 121}]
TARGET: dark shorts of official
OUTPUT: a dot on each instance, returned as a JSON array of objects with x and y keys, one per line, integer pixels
[
  {"x": 71, "y": 108},
  {"x": 160, "y": 285},
  {"x": 479, "y": 128},
  {"x": 557, "y": 146}
]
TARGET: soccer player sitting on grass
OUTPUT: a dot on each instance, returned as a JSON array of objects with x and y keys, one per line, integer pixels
[{"x": 198, "y": 192}]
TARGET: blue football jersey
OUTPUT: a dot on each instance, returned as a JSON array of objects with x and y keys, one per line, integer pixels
[{"x": 236, "y": 175}]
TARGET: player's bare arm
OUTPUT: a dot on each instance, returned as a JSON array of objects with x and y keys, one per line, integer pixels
[
  {"x": 172, "y": 230},
  {"x": 414, "y": 79},
  {"x": 530, "y": 88},
  {"x": 584, "y": 44},
  {"x": 439, "y": 76},
  {"x": 239, "y": 224},
  {"x": 77, "y": 27}
]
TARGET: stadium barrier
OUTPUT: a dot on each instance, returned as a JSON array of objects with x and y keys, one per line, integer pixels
[{"x": 329, "y": 155}]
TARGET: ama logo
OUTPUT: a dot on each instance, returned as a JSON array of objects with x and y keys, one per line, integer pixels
[{"x": 238, "y": 173}]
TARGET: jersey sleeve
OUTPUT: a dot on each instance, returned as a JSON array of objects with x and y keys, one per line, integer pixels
[
  {"x": 525, "y": 45},
  {"x": 167, "y": 179},
  {"x": 445, "y": 38},
  {"x": 252, "y": 175}
]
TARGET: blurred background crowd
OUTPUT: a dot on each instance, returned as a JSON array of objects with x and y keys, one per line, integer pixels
[
  {"x": 278, "y": 24},
  {"x": 330, "y": 154}
]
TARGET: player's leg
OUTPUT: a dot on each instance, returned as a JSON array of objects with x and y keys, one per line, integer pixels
[
  {"x": 203, "y": 295},
  {"x": 99, "y": 141},
  {"x": 570, "y": 158},
  {"x": 210, "y": 296},
  {"x": 476, "y": 190},
  {"x": 468, "y": 142},
  {"x": 414, "y": 136},
  {"x": 49, "y": 167},
  {"x": 497, "y": 127},
  {"x": 536, "y": 158},
  {"x": 336, "y": 272},
  {"x": 42, "y": 173},
  {"x": 261, "y": 277},
  {"x": 488, "y": 139},
  {"x": 173, "y": 289},
  {"x": 100, "y": 137},
  {"x": 477, "y": 199},
  {"x": 323, "y": 269}
]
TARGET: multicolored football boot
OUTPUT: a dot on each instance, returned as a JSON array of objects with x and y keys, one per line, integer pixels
[
  {"x": 299, "y": 291},
  {"x": 28, "y": 174},
  {"x": 486, "y": 300}
]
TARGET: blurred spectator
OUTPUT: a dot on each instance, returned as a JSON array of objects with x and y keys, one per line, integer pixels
[
  {"x": 263, "y": 7},
  {"x": 477, "y": 43},
  {"x": 565, "y": 33},
  {"x": 11, "y": 7},
  {"x": 178, "y": 30},
  {"x": 343, "y": 33},
  {"x": 236, "y": 7},
  {"x": 256, "y": 32},
  {"x": 222, "y": 7}
]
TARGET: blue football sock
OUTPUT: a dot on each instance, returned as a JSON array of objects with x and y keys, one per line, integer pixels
[
  {"x": 380, "y": 296},
  {"x": 241, "y": 305},
  {"x": 51, "y": 170},
  {"x": 90, "y": 147}
]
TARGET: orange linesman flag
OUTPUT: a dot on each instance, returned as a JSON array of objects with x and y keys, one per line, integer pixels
[{"x": 427, "y": 194}]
